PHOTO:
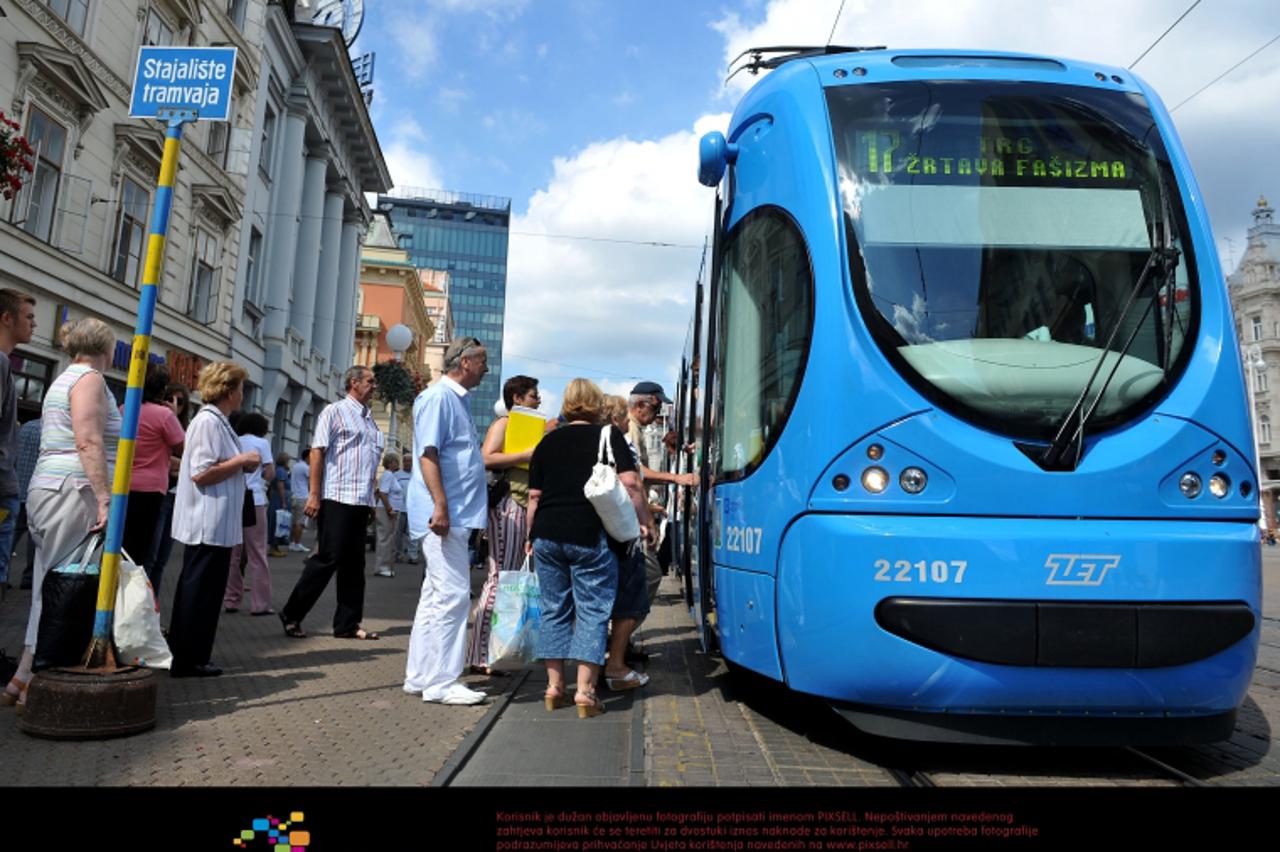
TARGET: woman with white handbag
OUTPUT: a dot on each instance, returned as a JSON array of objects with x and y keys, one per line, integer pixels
[{"x": 574, "y": 496}]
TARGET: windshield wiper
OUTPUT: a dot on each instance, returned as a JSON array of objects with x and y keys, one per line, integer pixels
[{"x": 1067, "y": 446}]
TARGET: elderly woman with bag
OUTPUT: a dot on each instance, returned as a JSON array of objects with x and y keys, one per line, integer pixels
[
  {"x": 577, "y": 572},
  {"x": 208, "y": 513},
  {"x": 70, "y": 489}
]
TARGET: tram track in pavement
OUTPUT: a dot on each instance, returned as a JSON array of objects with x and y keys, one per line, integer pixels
[{"x": 792, "y": 730}]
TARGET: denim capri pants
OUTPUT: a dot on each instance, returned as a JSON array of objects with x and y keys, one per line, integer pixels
[
  {"x": 633, "y": 594},
  {"x": 578, "y": 586}
]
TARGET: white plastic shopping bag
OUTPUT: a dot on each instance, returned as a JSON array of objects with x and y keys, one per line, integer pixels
[
  {"x": 284, "y": 521},
  {"x": 517, "y": 615},
  {"x": 136, "y": 630}
]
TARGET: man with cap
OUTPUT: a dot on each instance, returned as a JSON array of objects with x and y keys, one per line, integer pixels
[{"x": 647, "y": 399}]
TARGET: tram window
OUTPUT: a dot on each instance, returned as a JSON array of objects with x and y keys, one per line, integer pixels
[
  {"x": 996, "y": 232},
  {"x": 765, "y": 320}
]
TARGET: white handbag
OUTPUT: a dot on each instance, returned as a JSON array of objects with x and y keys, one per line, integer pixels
[{"x": 608, "y": 496}]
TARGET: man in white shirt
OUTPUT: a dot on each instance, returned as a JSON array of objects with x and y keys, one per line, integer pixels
[
  {"x": 405, "y": 551},
  {"x": 299, "y": 487},
  {"x": 447, "y": 500}
]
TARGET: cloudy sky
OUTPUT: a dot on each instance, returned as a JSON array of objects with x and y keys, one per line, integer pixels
[{"x": 586, "y": 113}]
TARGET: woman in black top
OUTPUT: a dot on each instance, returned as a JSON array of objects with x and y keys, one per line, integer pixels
[{"x": 577, "y": 572}]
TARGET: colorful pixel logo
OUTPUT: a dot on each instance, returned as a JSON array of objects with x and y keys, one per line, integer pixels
[{"x": 281, "y": 835}]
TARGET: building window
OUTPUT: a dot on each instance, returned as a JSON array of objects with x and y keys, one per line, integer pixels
[
  {"x": 35, "y": 209},
  {"x": 74, "y": 12},
  {"x": 31, "y": 378},
  {"x": 1264, "y": 432},
  {"x": 1260, "y": 380},
  {"x": 216, "y": 147},
  {"x": 131, "y": 229},
  {"x": 268, "y": 141},
  {"x": 307, "y": 434},
  {"x": 204, "y": 277},
  {"x": 235, "y": 11},
  {"x": 252, "y": 271},
  {"x": 157, "y": 31},
  {"x": 1257, "y": 327}
]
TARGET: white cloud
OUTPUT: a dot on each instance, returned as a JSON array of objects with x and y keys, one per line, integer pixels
[
  {"x": 450, "y": 99},
  {"x": 498, "y": 10},
  {"x": 417, "y": 39},
  {"x": 404, "y": 148},
  {"x": 612, "y": 312}
]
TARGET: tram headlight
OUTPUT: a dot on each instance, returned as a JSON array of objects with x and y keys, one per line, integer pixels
[
  {"x": 1189, "y": 484},
  {"x": 875, "y": 479},
  {"x": 1219, "y": 485},
  {"x": 913, "y": 480}
]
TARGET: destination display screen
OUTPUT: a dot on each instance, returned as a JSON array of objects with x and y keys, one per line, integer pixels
[{"x": 996, "y": 232}]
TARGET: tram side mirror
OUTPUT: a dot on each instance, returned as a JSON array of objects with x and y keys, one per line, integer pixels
[{"x": 715, "y": 153}]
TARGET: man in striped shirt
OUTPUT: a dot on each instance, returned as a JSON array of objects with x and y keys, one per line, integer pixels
[{"x": 344, "y": 464}]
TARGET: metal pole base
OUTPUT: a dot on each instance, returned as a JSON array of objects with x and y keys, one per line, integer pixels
[{"x": 90, "y": 704}]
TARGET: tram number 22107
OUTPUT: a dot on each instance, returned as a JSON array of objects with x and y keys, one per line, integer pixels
[
  {"x": 905, "y": 571},
  {"x": 743, "y": 539}
]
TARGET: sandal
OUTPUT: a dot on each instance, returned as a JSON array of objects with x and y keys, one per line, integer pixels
[
  {"x": 359, "y": 633},
  {"x": 631, "y": 680},
  {"x": 555, "y": 698},
  {"x": 592, "y": 707},
  {"x": 9, "y": 699},
  {"x": 293, "y": 629}
]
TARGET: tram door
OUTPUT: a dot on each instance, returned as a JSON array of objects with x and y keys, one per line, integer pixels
[{"x": 700, "y": 571}]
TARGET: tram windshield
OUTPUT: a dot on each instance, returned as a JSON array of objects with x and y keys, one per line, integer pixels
[{"x": 996, "y": 232}]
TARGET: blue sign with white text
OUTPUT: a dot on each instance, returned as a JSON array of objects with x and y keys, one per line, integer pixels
[{"x": 185, "y": 78}]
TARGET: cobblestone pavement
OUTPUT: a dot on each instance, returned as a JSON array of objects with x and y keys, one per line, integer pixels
[
  {"x": 704, "y": 727},
  {"x": 318, "y": 712}
]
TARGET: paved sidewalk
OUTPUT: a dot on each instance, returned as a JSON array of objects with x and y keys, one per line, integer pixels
[{"x": 318, "y": 712}]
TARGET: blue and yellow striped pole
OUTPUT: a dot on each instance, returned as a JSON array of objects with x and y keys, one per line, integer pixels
[{"x": 101, "y": 650}]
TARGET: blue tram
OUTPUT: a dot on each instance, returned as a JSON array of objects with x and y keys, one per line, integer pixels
[{"x": 966, "y": 401}]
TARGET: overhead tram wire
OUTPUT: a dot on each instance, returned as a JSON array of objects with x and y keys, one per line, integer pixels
[
  {"x": 1165, "y": 33},
  {"x": 589, "y": 370},
  {"x": 836, "y": 22},
  {"x": 584, "y": 237},
  {"x": 1228, "y": 71},
  {"x": 654, "y": 243}
]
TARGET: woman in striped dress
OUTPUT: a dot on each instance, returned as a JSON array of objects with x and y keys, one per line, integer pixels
[
  {"x": 70, "y": 489},
  {"x": 507, "y": 528}
]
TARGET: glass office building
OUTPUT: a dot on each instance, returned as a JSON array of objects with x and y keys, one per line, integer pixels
[{"x": 466, "y": 236}]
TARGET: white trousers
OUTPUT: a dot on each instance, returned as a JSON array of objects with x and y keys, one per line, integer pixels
[{"x": 437, "y": 644}]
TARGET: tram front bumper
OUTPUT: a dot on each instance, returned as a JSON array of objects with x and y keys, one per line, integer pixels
[{"x": 1001, "y": 615}]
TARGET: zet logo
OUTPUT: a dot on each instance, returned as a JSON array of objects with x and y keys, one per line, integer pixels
[
  {"x": 270, "y": 833},
  {"x": 1079, "y": 569}
]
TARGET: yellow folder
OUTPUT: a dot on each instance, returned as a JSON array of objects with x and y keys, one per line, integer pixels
[{"x": 525, "y": 428}]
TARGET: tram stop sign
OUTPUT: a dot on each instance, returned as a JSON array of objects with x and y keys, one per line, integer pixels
[{"x": 183, "y": 78}]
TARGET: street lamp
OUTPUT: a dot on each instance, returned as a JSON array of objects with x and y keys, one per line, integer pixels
[
  {"x": 1254, "y": 364},
  {"x": 399, "y": 338}
]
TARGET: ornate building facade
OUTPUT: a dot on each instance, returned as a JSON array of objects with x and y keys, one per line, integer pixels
[
  {"x": 262, "y": 254},
  {"x": 1255, "y": 297}
]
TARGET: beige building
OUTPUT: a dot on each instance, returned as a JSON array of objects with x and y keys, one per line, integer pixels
[
  {"x": 262, "y": 257},
  {"x": 435, "y": 296},
  {"x": 75, "y": 236},
  {"x": 391, "y": 294},
  {"x": 1255, "y": 297}
]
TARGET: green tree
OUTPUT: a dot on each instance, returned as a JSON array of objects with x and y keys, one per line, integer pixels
[{"x": 396, "y": 383}]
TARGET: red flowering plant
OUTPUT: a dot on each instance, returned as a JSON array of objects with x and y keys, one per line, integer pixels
[{"x": 15, "y": 157}]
